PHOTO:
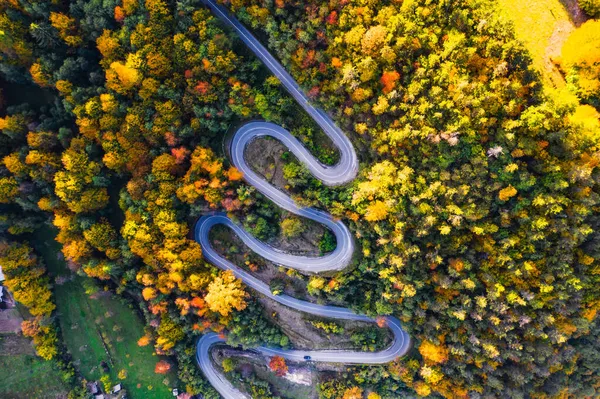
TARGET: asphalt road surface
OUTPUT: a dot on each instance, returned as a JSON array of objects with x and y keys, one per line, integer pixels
[{"x": 344, "y": 171}]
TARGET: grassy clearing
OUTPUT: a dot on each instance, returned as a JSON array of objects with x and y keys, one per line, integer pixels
[
  {"x": 24, "y": 375},
  {"x": 542, "y": 26},
  {"x": 102, "y": 328},
  {"x": 27, "y": 376}
]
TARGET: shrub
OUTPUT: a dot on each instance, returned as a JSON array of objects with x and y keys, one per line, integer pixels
[{"x": 590, "y": 7}]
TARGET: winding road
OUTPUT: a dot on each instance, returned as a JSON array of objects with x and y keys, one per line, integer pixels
[{"x": 344, "y": 171}]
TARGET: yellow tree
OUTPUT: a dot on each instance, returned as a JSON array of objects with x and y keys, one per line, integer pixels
[
  {"x": 433, "y": 353},
  {"x": 39, "y": 76},
  {"x": 580, "y": 56},
  {"x": 103, "y": 237},
  {"x": 67, "y": 30},
  {"x": 122, "y": 77},
  {"x": 109, "y": 47},
  {"x": 225, "y": 293},
  {"x": 374, "y": 39},
  {"x": 376, "y": 211},
  {"x": 9, "y": 189},
  {"x": 75, "y": 184},
  {"x": 353, "y": 393}
]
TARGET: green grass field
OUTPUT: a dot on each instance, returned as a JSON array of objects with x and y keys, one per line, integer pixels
[
  {"x": 27, "y": 376},
  {"x": 102, "y": 328},
  {"x": 24, "y": 375},
  {"x": 542, "y": 26}
]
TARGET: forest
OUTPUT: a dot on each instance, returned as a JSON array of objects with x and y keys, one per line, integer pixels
[{"x": 473, "y": 214}]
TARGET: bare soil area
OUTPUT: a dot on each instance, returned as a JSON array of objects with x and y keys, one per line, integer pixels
[
  {"x": 303, "y": 335},
  {"x": 264, "y": 156},
  {"x": 10, "y": 321},
  {"x": 577, "y": 15},
  {"x": 15, "y": 344},
  {"x": 300, "y": 382}
]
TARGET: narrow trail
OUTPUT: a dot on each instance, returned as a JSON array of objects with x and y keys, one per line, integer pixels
[{"x": 343, "y": 172}]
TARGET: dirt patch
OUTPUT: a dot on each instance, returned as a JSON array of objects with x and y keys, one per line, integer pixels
[
  {"x": 15, "y": 344},
  {"x": 303, "y": 335},
  {"x": 577, "y": 15},
  {"x": 300, "y": 382},
  {"x": 264, "y": 156},
  {"x": 102, "y": 294},
  {"x": 60, "y": 280},
  {"x": 10, "y": 321},
  {"x": 561, "y": 33},
  {"x": 563, "y": 29},
  {"x": 221, "y": 352}
]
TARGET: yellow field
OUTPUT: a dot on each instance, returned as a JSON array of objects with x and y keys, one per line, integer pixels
[{"x": 542, "y": 26}]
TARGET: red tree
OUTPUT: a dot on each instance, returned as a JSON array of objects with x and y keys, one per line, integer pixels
[
  {"x": 278, "y": 366},
  {"x": 180, "y": 154},
  {"x": 162, "y": 367},
  {"x": 332, "y": 18},
  {"x": 202, "y": 87},
  {"x": 388, "y": 80}
]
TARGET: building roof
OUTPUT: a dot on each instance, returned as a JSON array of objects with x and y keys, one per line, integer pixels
[
  {"x": 93, "y": 387},
  {"x": 1, "y": 274}
]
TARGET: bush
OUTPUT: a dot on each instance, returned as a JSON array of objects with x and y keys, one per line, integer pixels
[
  {"x": 327, "y": 243},
  {"x": 277, "y": 286},
  {"x": 228, "y": 365},
  {"x": 590, "y": 7},
  {"x": 292, "y": 227}
]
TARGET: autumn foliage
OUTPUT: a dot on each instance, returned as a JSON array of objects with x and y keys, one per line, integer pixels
[
  {"x": 433, "y": 353},
  {"x": 162, "y": 367},
  {"x": 144, "y": 341},
  {"x": 353, "y": 393},
  {"x": 388, "y": 80},
  {"x": 25, "y": 278},
  {"x": 278, "y": 366},
  {"x": 580, "y": 59},
  {"x": 474, "y": 212},
  {"x": 225, "y": 293}
]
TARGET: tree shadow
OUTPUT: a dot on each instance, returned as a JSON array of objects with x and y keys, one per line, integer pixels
[{"x": 576, "y": 15}]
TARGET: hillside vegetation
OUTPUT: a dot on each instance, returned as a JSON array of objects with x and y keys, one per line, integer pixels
[{"x": 475, "y": 212}]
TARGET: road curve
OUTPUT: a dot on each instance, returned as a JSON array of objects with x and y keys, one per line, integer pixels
[{"x": 344, "y": 171}]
